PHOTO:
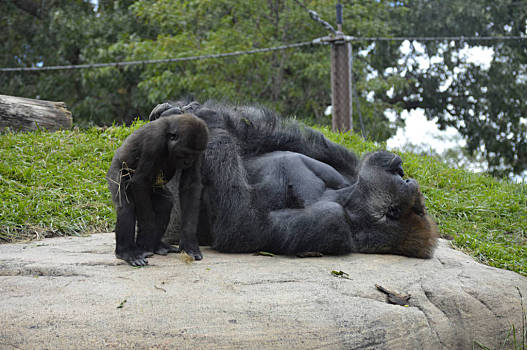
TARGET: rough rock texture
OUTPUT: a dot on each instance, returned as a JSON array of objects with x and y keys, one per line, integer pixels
[{"x": 65, "y": 293}]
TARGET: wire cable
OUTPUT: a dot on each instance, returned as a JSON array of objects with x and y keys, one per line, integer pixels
[
  {"x": 318, "y": 41},
  {"x": 165, "y": 60}
]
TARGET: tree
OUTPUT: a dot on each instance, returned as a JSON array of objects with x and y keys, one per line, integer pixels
[
  {"x": 295, "y": 82},
  {"x": 42, "y": 32},
  {"x": 487, "y": 105}
]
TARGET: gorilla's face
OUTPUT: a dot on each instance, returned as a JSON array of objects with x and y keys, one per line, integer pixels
[
  {"x": 385, "y": 193},
  {"x": 393, "y": 207},
  {"x": 186, "y": 139}
]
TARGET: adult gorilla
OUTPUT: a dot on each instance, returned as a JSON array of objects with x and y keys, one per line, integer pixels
[{"x": 274, "y": 185}]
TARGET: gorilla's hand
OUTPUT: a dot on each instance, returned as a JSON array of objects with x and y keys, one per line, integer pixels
[{"x": 169, "y": 108}]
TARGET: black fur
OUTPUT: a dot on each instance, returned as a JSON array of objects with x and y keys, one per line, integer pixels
[
  {"x": 140, "y": 168},
  {"x": 273, "y": 184}
]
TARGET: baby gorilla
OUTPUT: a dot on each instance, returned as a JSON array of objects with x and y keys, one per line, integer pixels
[{"x": 140, "y": 168}]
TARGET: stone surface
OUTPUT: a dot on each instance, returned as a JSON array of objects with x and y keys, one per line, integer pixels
[{"x": 65, "y": 293}]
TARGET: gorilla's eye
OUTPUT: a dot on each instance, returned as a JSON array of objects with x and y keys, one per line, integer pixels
[{"x": 173, "y": 136}]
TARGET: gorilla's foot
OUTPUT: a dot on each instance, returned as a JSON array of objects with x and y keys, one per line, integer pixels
[
  {"x": 135, "y": 257},
  {"x": 164, "y": 249}
]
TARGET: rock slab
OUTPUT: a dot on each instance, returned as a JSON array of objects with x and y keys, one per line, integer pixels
[{"x": 72, "y": 293}]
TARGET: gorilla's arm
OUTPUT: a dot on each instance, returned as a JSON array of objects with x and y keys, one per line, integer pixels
[
  {"x": 322, "y": 227},
  {"x": 292, "y": 180},
  {"x": 140, "y": 190},
  {"x": 129, "y": 179},
  {"x": 260, "y": 131},
  {"x": 305, "y": 214},
  {"x": 190, "y": 193}
]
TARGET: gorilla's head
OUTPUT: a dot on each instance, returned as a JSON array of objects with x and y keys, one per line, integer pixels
[
  {"x": 186, "y": 138},
  {"x": 393, "y": 207}
]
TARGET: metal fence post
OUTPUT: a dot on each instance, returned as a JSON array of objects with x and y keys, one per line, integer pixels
[{"x": 341, "y": 100}]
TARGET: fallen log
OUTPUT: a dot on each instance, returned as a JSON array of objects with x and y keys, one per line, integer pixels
[{"x": 26, "y": 114}]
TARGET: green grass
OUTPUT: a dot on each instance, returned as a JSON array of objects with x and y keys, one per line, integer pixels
[{"x": 54, "y": 184}]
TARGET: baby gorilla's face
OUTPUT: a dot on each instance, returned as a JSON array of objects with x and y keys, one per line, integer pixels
[{"x": 187, "y": 138}]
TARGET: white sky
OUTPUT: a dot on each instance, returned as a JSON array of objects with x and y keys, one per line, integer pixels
[{"x": 421, "y": 131}]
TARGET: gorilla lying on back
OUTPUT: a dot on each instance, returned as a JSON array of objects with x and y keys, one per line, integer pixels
[{"x": 273, "y": 185}]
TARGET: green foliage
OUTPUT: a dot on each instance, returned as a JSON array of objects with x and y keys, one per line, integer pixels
[{"x": 54, "y": 184}]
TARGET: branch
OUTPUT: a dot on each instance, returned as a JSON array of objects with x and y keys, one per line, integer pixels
[
  {"x": 406, "y": 104},
  {"x": 31, "y": 7}
]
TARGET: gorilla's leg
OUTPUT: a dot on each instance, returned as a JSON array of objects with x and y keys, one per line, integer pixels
[
  {"x": 162, "y": 206},
  {"x": 205, "y": 220},
  {"x": 173, "y": 231},
  {"x": 126, "y": 248}
]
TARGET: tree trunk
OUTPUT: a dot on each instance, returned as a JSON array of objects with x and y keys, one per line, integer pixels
[{"x": 26, "y": 114}]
